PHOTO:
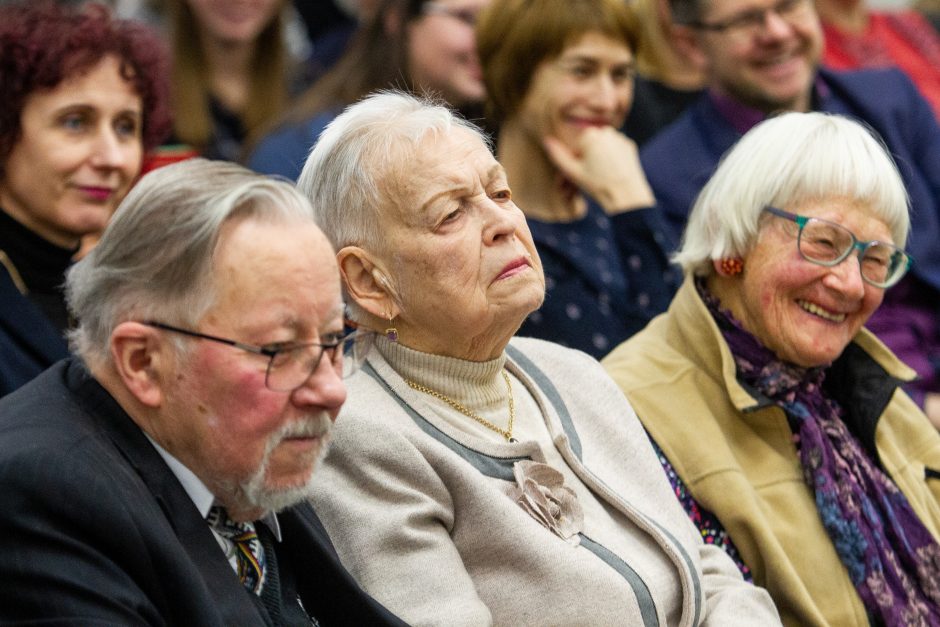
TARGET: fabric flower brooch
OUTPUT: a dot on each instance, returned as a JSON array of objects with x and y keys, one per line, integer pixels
[{"x": 541, "y": 492}]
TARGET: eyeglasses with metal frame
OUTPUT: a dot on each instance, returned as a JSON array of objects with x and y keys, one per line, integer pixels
[
  {"x": 291, "y": 364},
  {"x": 828, "y": 244},
  {"x": 752, "y": 22}
]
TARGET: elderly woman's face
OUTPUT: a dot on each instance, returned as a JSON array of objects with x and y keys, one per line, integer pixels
[
  {"x": 461, "y": 254},
  {"x": 79, "y": 152},
  {"x": 806, "y": 313}
]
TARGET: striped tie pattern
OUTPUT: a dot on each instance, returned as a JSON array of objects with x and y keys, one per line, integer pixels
[{"x": 249, "y": 554}]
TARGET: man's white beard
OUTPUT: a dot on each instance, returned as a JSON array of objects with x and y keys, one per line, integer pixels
[{"x": 252, "y": 493}]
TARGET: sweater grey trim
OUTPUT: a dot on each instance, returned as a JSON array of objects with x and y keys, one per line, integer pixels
[
  {"x": 500, "y": 468},
  {"x": 551, "y": 393},
  {"x": 642, "y": 593}
]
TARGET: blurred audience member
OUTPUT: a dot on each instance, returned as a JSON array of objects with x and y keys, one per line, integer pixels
[
  {"x": 425, "y": 46},
  {"x": 667, "y": 80},
  {"x": 762, "y": 57},
  {"x": 779, "y": 418},
  {"x": 559, "y": 79},
  {"x": 84, "y": 95},
  {"x": 231, "y": 72},
  {"x": 857, "y": 36}
]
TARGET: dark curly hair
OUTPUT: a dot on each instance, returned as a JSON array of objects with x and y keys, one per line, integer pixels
[{"x": 44, "y": 43}]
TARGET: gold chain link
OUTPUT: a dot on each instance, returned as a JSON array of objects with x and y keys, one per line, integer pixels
[{"x": 506, "y": 433}]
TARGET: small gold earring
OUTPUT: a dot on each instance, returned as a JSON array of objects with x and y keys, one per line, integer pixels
[{"x": 391, "y": 333}]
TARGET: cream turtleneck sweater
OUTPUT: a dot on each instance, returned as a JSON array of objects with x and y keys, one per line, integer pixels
[{"x": 481, "y": 388}]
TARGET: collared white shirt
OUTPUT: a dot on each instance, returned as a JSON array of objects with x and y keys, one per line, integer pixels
[{"x": 203, "y": 499}]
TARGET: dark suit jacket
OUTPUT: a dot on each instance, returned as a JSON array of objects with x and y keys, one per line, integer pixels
[
  {"x": 95, "y": 529},
  {"x": 29, "y": 343}
]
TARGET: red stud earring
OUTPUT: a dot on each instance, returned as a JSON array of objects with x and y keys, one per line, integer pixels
[{"x": 731, "y": 267}]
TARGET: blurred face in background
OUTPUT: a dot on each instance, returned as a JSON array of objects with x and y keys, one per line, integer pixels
[
  {"x": 590, "y": 84},
  {"x": 442, "y": 53},
  {"x": 763, "y": 53},
  {"x": 234, "y": 21},
  {"x": 79, "y": 152}
]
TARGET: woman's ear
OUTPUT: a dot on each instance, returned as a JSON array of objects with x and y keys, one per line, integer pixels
[
  {"x": 139, "y": 353},
  {"x": 367, "y": 284}
]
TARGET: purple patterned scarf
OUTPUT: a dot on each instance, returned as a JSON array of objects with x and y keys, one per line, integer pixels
[{"x": 892, "y": 559}]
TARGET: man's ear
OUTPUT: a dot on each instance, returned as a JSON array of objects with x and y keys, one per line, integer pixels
[
  {"x": 367, "y": 284},
  {"x": 139, "y": 353}
]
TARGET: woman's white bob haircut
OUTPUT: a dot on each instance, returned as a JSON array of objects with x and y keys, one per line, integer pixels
[{"x": 788, "y": 161}]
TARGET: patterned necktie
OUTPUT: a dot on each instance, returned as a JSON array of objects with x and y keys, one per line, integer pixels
[{"x": 249, "y": 554}]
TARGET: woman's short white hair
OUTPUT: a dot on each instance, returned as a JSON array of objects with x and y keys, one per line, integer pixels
[
  {"x": 360, "y": 166},
  {"x": 357, "y": 167},
  {"x": 786, "y": 161},
  {"x": 154, "y": 260}
]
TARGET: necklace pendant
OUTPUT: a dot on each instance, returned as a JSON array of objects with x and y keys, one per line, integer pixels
[{"x": 512, "y": 440}]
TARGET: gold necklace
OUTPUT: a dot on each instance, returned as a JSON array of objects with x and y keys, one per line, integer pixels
[{"x": 506, "y": 433}]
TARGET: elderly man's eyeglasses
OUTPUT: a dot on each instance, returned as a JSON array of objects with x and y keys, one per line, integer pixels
[
  {"x": 467, "y": 16},
  {"x": 750, "y": 23},
  {"x": 290, "y": 364},
  {"x": 829, "y": 244}
]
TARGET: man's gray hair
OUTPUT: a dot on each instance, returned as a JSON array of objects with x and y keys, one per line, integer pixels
[
  {"x": 154, "y": 260},
  {"x": 786, "y": 161},
  {"x": 358, "y": 166}
]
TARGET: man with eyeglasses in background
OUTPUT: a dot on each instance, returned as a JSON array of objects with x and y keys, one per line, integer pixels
[
  {"x": 160, "y": 476},
  {"x": 762, "y": 57}
]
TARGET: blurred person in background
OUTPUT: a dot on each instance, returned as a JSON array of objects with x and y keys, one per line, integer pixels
[
  {"x": 85, "y": 96},
  {"x": 424, "y": 46},
  {"x": 858, "y": 36},
  {"x": 667, "y": 80},
  {"x": 559, "y": 79},
  {"x": 231, "y": 72}
]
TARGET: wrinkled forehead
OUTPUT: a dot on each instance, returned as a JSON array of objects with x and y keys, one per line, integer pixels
[{"x": 439, "y": 160}]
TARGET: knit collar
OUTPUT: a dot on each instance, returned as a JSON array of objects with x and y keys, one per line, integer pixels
[
  {"x": 40, "y": 263},
  {"x": 476, "y": 384}
]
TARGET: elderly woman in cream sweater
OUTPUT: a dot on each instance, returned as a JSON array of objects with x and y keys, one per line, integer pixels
[{"x": 476, "y": 478}]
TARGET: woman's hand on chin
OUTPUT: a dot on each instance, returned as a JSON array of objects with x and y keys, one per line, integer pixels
[{"x": 606, "y": 166}]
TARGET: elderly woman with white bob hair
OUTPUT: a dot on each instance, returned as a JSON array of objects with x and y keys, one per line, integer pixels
[
  {"x": 780, "y": 419},
  {"x": 474, "y": 478}
]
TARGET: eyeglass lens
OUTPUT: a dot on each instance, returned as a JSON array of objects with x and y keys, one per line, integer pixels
[
  {"x": 829, "y": 243},
  {"x": 291, "y": 367}
]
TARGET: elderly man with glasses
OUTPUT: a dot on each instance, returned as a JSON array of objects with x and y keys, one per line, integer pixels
[
  {"x": 159, "y": 477},
  {"x": 762, "y": 57}
]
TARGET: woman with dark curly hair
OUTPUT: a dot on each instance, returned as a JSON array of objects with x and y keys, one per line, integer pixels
[{"x": 84, "y": 95}]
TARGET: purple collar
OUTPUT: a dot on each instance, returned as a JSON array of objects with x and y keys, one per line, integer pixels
[{"x": 743, "y": 117}]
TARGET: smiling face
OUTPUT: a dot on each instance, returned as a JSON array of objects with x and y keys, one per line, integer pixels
[
  {"x": 460, "y": 254},
  {"x": 256, "y": 448},
  {"x": 589, "y": 84},
  {"x": 771, "y": 70},
  {"x": 234, "y": 21},
  {"x": 442, "y": 52},
  {"x": 805, "y": 313},
  {"x": 79, "y": 152}
]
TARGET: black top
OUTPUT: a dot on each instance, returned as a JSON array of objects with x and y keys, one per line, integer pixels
[{"x": 41, "y": 265}]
